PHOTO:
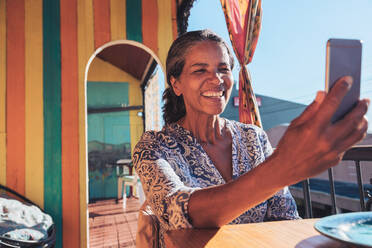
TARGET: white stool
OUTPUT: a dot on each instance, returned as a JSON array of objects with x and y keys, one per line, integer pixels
[{"x": 135, "y": 183}]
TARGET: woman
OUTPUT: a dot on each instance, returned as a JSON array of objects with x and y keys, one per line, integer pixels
[{"x": 205, "y": 171}]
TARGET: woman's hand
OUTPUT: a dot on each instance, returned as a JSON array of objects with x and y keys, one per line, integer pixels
[{"x": 312, "y": 143}]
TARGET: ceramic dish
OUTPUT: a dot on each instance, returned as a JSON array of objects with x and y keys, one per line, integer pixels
[{"x": 352, "y": 228}]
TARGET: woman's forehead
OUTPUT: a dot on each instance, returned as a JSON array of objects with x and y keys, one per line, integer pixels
[{"x": 206, "y": 50}]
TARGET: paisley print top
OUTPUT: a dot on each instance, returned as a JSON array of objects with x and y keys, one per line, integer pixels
[{"x": 172, "y": 165}]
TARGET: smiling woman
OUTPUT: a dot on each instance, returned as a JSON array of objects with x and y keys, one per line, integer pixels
[
  {"x": 202, "y": 148},
  {"x": 202, "y": 170}
]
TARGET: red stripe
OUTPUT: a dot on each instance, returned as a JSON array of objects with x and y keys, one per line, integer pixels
[
  {"x": 70, "y": 124},
  {"x": 150, "y": 24},
  {"x": 102, "y": 28},
  {"x": 15, "y": 94}
]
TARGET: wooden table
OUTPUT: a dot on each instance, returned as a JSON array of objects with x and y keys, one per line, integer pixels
[{"x": 297, "y": 233}]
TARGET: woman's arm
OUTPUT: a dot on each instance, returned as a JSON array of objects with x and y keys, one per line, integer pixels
[
  {"x": 311, "y": 145},
  {"x": 219, "y": 205},
  {"x": 167, "y": 195}
]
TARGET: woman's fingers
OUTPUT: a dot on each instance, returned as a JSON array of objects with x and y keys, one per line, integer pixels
[
  {"x": 353, "y": 118},
  {"x": 324, "y": 106},
  {"x": 320, "y": 95},
  {"x": 312, "y": 143},
  {"x": 310, "y": 110},
  {"x": 356, "y": 135},
  {"x": 351, "y": 123},
  {"x": 333, "y": 100}
]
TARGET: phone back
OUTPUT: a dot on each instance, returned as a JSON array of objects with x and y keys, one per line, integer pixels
[{"x": 344, "y": 57}]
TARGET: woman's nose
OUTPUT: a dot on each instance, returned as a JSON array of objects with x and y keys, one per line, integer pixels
[{"x": 216, "y": 78}]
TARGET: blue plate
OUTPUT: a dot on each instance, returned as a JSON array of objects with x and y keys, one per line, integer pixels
[{"x": 352, "y": 228}]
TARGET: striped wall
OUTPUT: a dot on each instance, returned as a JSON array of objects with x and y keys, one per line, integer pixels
[{"x": 44, "y": 50}]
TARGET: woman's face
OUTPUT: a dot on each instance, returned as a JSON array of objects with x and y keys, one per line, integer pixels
[{"x": 206, "y": 79}]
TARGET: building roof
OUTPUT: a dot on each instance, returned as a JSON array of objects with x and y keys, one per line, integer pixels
[{"x": 273, "y": 111}]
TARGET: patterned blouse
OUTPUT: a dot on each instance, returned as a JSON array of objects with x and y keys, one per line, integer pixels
[{"x": 172, "y": 165}]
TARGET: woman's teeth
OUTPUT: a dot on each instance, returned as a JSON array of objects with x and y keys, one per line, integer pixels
[{"x": 213, "y": 93}]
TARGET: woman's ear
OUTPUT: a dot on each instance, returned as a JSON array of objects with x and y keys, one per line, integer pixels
[{"x": 176, "y": 86}]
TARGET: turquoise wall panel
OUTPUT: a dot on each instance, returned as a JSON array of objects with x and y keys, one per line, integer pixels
[
  {"x": 134, "y": 20},
  {"x": 52, "y": 115},
  {"x": 108, "y": 137},
  {"x": 107, "y": 94},
  {"x": 102, "y": 184},
  {"x": 117, "y": 128}
]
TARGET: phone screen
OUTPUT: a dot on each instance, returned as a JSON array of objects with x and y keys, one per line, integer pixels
[{"x": 344, "y": 57}]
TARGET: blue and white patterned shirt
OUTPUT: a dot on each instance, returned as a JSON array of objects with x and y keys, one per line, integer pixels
[{"x": 172, "y": 164}]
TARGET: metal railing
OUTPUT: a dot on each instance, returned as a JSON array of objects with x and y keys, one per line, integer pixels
[{"x": 356, "y": 154}]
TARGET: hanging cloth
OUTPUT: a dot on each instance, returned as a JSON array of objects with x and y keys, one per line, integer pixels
[{"x": 243, "y": 19}]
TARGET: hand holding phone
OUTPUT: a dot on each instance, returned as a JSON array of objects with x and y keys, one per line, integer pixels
[{"x": 344, "y": 58}]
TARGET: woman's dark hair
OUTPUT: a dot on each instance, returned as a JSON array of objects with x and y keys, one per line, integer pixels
[{"x": 174, "y": 106}]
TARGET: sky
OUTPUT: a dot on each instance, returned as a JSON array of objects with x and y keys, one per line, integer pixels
[{"x": 289, "y": 61}]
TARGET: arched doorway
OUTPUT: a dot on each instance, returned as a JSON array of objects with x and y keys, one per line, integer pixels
[{"x": 122, "y": 79}]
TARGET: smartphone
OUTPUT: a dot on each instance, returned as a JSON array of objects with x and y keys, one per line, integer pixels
[{"x": 344, "y": 58}]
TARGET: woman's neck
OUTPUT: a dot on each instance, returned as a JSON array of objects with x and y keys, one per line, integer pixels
[{"x": 205, "y": 128}]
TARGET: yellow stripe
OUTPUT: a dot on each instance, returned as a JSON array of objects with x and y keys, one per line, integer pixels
[
  {"x": 85, "y": 50},
  {"x": 136, "y": 122},
  {"x": 136, "y": 128},
  {"x": 2, "y": 93},
  {"x": 165, "y": 35},
  {"x": 34, "y": 167},
  {"x": 118, "y": 20}
]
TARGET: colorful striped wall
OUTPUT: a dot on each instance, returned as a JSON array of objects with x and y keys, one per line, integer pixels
[{"x": 44, "y": 49}]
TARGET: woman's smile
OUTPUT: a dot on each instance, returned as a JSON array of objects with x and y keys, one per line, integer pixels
[{"x": 213, "y": 94}]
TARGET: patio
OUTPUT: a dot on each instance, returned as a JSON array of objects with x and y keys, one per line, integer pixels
[{"x": 110, "y": 226}]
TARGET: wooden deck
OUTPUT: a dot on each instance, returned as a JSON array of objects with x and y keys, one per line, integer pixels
[{"x": 110, "y": 226}]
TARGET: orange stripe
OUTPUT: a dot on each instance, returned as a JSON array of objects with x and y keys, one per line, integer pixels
[
  {"x": 70, "y": 124},
  {"x": 174, "y": 19},
  {"x": 150, "y": 24},
  {"x": 15, "y": 92},
  {"x": 165, "y": 32},
  {"x": 102, "y": 31}
]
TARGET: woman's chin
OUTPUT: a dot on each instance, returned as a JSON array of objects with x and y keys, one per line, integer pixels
[
  {"x": 206, "y": 109},
  {"x": 215, "y": 111}
]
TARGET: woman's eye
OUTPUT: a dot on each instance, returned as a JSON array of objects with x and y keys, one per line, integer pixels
[
  {"x": 199, "y": 71},
  {"x": 225, "y": 69}
]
